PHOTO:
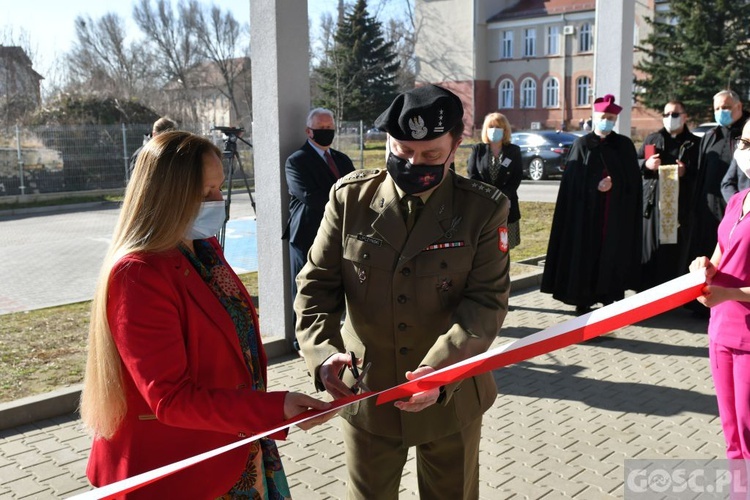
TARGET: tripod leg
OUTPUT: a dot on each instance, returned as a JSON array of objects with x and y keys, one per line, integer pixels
[
  {"x": 247, "y": 184},
  {"x": 227, "y": 202}
]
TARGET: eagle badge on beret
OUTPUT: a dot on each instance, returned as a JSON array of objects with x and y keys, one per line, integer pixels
[{"x": 418, "y": 130}]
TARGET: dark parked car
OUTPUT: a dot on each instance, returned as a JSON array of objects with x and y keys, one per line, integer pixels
[{"x": 543, "y": 152}]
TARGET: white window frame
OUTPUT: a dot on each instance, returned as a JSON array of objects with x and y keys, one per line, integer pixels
[
  {"x": 551, "y": 93},
  {"x": 553, "y": 40},
  {"x": 505, "y": 92},
  {"x": 506, "y": 45},
  {"x": 585, "y": 38},
  {"x": 529, "y": 42},
  {"x": 528, "y": 93},
  {"x": 583, "y": 91}
]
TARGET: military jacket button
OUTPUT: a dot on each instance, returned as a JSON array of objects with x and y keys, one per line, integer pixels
[
  {"x": 403, "y": 351},
  {"x": 402, "y": 326},
  {"x": 401, "y": 299},
  {"x": 443, "y": 265},
  {"x": 406, "y": 271},
  {"x": 365, "y": 255}
]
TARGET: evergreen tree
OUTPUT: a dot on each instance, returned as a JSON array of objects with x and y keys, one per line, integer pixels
[
  {"x": 700, "y": 49},
  {"x": 358, "y": 76}
]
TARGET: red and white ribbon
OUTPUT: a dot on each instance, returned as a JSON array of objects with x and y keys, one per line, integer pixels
[{"x": 606, "y": 319}]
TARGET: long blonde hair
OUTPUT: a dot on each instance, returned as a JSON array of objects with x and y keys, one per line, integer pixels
[
  {"x": 161, "y": 200},
  {"x": 497, "y": 120}
]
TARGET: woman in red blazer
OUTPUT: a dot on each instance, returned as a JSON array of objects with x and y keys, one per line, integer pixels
[{"x": 176, "y": 366}]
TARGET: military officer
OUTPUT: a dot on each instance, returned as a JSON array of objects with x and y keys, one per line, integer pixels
[{"x": 417, "y": 256}]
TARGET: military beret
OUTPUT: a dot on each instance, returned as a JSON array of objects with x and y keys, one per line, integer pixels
[{"x": 422, "y": 114}]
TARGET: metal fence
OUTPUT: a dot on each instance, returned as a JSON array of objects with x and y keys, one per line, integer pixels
[{"x": 74, "y": 158}]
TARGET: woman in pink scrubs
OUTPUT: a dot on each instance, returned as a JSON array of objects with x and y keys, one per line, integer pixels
[{"x": 727, "y": 293}]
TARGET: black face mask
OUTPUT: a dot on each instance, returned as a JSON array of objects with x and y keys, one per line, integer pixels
[
  {"x": 323, "y": 136},
  {"x": 414, "y": 179}
]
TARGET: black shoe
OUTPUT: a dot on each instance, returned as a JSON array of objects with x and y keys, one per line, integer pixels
[{"x": 581, "y": 310}]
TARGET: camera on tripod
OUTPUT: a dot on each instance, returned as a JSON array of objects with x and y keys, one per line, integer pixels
[
  {"x": 229, "y": 130},
  {"x": 230, "y": 157}
]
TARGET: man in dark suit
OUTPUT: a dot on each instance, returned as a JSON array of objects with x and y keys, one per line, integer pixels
[{"x": 310, "y": 173}]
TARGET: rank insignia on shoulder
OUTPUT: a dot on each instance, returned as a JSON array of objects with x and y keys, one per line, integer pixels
[
  {"x": 358, "y": 176},
  {"x": 485, "y": 190},
  {"x": 502, "y": 239}
]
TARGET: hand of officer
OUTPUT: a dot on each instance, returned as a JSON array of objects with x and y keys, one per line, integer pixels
[
  {"x": 329, "y": 375},
  {"x": 420, "y": 400}
]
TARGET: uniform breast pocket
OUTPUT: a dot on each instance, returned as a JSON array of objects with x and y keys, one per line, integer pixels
[
  {"x": 368, "y": 262},
  {"x": 442, "y": 275}
]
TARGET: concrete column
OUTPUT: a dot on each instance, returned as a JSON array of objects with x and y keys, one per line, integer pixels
[
  {"x": 613, "y": 56},
  {"x": 281, "y": 100}
]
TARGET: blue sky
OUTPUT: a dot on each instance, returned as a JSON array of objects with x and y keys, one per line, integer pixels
[{"x": 49, "y": 23}]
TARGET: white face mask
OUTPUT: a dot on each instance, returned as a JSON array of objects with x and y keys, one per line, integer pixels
[
  {"x": 672, "y": 124},
  {"x": 742, "y": 157},
  {"x": 208, "y": 222}
]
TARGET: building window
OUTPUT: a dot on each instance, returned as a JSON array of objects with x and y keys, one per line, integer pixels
[
  {"x": 529, "y": 42},
  {"x": 585, "y": 38},
  {"x": 553, "y": 40},
  {"x": 551, "y": 93},
  {"x": 505, "y": 95},
  {"x": 583, "y": 91},
  {"x": 507, "y": 46},
  {"x": 528, "y": 93}
]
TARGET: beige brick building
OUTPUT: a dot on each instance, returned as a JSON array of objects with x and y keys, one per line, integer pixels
[{"x": 533, "y": 60}]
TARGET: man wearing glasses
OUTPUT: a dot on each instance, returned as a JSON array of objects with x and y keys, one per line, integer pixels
[
  {"x": 716, "y": 152},
  {"x": 673, "y": 144}
]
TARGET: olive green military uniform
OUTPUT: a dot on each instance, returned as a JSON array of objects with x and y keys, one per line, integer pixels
[{"x": 432, "y": 297}]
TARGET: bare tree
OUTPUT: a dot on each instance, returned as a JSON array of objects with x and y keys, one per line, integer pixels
[
  {"x": 14, "y": 36},
  {"x": 220, "y": 37},
  {"x": 173, "y": 37},
  {"x": 102, "y": 62}
]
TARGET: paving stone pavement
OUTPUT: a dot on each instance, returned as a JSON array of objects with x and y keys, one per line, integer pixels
[{"x": 562, "y": 426}]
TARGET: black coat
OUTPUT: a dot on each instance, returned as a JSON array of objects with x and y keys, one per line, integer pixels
[
  {"x": 594, "y": 251},
  {"x": 662, "y": 263},
  {"x": 509, "y": 177},
  {"x": 734, "y": 181},
  {"x": 309, "y": 181},
  {"x": 716, "y": 153}
]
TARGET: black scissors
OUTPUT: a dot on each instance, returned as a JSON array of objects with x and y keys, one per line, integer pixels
[{"x": 359, "y": 375}]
